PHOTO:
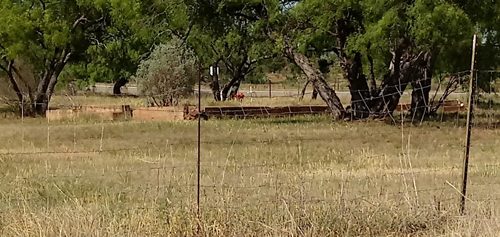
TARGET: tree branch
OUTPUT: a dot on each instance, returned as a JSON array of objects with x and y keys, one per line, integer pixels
[
  {"x": 260, "y": 59},
  {"x": 67, "y": 57},
  {"x": 26, "y": 84},
  {"x": 42, "y": 3},
  {"x": 78, "y": 22},
  {"x": 186, "y": 35},
  {"x": 228, "y": 63},
  {"x": 12, "y": 80}
]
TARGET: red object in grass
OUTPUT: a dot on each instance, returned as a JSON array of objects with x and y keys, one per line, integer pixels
[{"x": 239, "y": 96}]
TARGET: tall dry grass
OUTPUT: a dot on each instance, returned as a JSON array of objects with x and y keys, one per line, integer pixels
[{"x": 304, "y": 176}]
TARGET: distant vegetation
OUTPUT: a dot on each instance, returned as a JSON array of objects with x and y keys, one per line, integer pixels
[
  {"x": 375, "y": 45},
  {"x": 168, "y": 74}
]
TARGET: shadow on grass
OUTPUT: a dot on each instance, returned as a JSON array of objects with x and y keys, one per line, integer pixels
[
  {"x": 9, "y": 112},
  {"x": 488, "y": 104},
  {"x": 294, "y": 119},
  {"x": 482, "y": 119}
]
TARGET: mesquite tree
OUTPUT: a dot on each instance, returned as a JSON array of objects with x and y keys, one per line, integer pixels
[
  {"x": 383, "y": 47},
  {"x": 399, "y": 43},
  {"x": 115, "y": 55},
  {"x": 229, "y": 36},
  {"x": 47, "y": 36}
]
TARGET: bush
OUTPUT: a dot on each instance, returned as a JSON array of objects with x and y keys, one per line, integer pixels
[
  {"x": 257, "y": 78},
  {"x": 168, "y": 75}
]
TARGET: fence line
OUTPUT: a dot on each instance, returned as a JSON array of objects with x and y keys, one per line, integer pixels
[
  {"x": 280, "y": 165},
  {"x": 242, "y": 185},
  {"x": 387, "y": 87}
]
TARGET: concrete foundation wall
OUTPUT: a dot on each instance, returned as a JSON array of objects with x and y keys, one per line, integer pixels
[
  {"x": 158, "y": 114},
  {"x": 116, "y": 113}
]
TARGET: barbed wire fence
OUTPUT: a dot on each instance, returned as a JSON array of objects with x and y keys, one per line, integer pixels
[{"x": 239, "y": 181}]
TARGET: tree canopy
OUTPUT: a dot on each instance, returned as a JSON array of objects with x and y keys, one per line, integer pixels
[{"x": 49, "y": 36}]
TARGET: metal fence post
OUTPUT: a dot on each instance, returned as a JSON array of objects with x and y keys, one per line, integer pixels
[
  {"x": 270, "y": 89},
  {"x": 470, "y": 116},
  {"x": 198, "y": 164}
]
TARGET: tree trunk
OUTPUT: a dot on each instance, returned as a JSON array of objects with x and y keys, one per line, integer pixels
[
  {"x": 405, "y": 69},
  {"x": 420, "y": 99},
  {"x": 318, "y": 81},
  {"x": 304, "y": 89},
  {"x": 14, "y": 84},
  {"x": 390, "y": 94},
  {"x": 40, "y": 103},
  {"x": 46, "y": 88},
  {"x": 314, "y": 94},
  {"x": 393, "y": 85},
  {"x": 53, "y": 80},
  {"x": 358, "y": 86},
  {"x": 238, "y": 75},
  {"x": 231, "y": 88},
  {"x": 373, "y": 83},
  {"x": 118, "y": 86},
  {"x": 420, "y": 105},
  {"x": 215, "y": 86}
]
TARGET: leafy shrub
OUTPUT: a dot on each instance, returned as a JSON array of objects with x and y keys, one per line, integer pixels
[{"x": 168, "y": 75}]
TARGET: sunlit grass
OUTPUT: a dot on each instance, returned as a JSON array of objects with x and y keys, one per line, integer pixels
[{"x": 280, "y": 177}]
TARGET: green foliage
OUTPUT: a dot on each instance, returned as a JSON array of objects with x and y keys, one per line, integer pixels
[
  {"x": 168, "y": 75},
  {"x": 230, "y": 32},
  {"x": 37, "y": 31},
  {"x": 92, "y": 36},
  {"x": 105, "y": 40},
  {"x": 376, "y": 27},
  {"x": 257, "y": 78},
  {"x": 136, "y": 27},
  {"x": 124, "y": 43},
  {"x": 77, "y": 74}
]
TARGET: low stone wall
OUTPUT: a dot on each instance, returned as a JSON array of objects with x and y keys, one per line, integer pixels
[
  {"x": 109, "y": 113},
  {"x": 61, "y": 114},
  {"x": 112, "y": 113},
  {"x": 158, "y": 114}
]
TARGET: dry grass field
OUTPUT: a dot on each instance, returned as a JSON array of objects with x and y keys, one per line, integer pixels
[{"x": 304, "y": 176}]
